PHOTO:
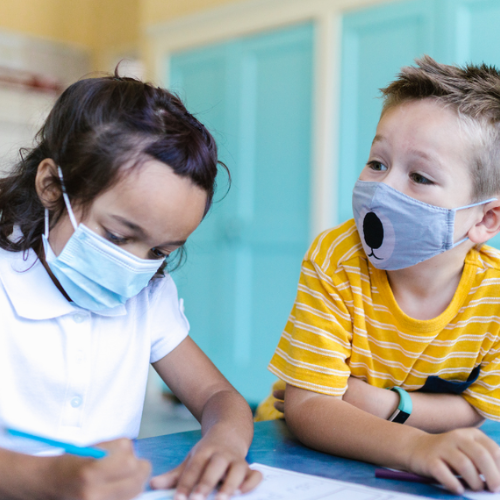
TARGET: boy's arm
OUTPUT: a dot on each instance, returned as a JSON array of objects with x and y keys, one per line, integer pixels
[
  {"x": 431, "y": 412},
  {"x": 334, "y": 426}
]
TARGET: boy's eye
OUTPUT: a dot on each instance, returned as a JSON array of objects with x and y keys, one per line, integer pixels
[
  {"x": 377, "y": 166},
  {"x": 420, "y": 179}
]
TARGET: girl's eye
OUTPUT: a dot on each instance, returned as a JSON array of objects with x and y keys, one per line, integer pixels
[
  {"x": 419, "y": 179},
  {"x": 117, "y": 240},
  {"x": 159, "y": 254},
  {"x": 377, "y": 166}
]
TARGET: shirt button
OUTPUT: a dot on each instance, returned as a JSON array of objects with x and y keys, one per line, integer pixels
[
  {"x": 79, "y": 318},
  {"x": 76, "y": 402}
]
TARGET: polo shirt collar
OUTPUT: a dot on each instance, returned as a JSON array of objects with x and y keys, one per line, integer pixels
[{"x": 32, "y": 292}]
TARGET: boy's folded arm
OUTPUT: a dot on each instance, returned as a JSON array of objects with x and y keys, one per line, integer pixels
[
  {"x": 331, "y": 425},
  {"x": 433, "y": 413},
  {"x": 442, "y": 412},
  {"x": 334, "y": 426}
]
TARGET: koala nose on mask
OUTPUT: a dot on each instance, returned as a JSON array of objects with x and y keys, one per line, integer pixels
[{"x": 373, "y": 232}]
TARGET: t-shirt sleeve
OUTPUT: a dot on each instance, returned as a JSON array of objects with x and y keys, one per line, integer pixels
[
  {"x": 169, "y": 326},
  {"x": 484, "y": 393},
  {"x": 316, "y": 342}
]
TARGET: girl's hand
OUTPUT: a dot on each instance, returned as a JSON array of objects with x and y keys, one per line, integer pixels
[
  {"x": 119, "y": 475},
  {"x": 211, "y": 462},
  {"x": 464, "y": 452}
]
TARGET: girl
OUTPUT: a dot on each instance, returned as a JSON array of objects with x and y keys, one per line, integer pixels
[{"x": 120, "y": 176}]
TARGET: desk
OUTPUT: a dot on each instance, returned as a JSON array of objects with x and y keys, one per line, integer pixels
[{"x": 274, "y": 445}]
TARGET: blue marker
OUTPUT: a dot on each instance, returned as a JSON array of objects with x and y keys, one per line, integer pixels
[{"x": 81, "y": 451}]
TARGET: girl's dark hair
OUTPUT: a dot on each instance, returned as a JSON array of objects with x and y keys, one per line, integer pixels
[{"x": 97, "y": 126}]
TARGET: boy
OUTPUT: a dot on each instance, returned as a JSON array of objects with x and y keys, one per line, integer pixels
[{"x": 404, "y": 297}]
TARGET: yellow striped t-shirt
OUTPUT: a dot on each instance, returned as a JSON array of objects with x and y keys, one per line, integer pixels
[{"x": 346, "y": 321}]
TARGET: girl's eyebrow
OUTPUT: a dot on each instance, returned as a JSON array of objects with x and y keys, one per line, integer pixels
[
  {"x": 141, "y": 233},
  {"x": 134, "y": 227}
]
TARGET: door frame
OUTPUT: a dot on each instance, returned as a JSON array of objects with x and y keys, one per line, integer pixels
[{"x": 247, "y": 17}]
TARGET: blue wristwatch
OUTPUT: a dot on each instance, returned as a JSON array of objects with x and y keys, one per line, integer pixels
[{"x": 405, "y": 406}]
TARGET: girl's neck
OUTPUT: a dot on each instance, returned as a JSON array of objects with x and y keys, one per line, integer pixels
[{"x": 425, "y": 290}]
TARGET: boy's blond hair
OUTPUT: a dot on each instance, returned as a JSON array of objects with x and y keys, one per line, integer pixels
[{"x": 474, "y": 92}]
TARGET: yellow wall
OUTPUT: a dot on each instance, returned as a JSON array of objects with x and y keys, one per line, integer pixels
[
  {"x": 104, "y": 27},
  {"x": 100, "y": 26},
  {"x": 60, "y": 20},
  {"x": 116, "y": 30},
  {"x": 157, "y": 11}
]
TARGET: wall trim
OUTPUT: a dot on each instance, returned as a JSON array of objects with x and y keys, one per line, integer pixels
[{"x": 252, "y": 16}]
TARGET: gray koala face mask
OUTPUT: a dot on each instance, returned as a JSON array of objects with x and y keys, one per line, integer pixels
[{"x": 398, "y": 231}]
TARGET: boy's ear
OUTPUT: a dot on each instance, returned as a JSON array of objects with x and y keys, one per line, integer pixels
[
  {"x": 488, "y": 226},
  {"x": 47, "y": 190}
]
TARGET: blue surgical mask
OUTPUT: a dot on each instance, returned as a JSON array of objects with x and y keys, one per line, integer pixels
[
  {"x": 398, "y": 231},
  {"x": 95, "y": 273}
]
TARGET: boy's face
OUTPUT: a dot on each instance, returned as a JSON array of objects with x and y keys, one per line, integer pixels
[{"x": 421, "y": 150}]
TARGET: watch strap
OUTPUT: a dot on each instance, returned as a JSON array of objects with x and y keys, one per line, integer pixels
[{"x": 404, "y": 409}]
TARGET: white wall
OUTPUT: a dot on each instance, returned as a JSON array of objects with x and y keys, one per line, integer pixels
[
  {"x": 21, "y": 114},
  {"x": 23, "y": 110}
]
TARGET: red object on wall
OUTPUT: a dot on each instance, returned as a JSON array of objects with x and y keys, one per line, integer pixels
[{"x": 31, "y": 81}]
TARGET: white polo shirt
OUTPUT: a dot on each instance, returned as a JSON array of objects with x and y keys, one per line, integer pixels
[{"x": 71, "y": 374}]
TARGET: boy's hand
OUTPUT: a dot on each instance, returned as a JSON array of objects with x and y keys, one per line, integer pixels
[
  {"x": 212, "y": 461},
  {"x": 279, "y": 404},
  {"x": 119, "y": 475},
  {"x": 464, "y": 452}
]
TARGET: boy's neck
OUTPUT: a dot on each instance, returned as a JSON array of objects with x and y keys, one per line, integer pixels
[{"x": 425, "y": 290}]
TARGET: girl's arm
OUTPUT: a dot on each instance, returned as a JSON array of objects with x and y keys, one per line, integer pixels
[
  {"x": 119, "y": 475},
  {"x": 334, "y": 426},
  {"x": 226, "y": 425}
]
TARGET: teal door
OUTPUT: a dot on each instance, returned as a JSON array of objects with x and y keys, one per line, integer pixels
[
  {"x": 241, "y": 274},
  {"x": 376, "y": 42}
]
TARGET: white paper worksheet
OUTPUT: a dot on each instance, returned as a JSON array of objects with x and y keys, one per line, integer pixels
[
  {"x": 482, "y": 495},
  {"x": 281, "y": 484}
]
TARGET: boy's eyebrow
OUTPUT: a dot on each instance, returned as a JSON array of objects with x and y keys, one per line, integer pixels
[
  {"x": 416, "y": 152},
  {"x": 140, "y": 232},
  {"x": 429, "y": 157}
]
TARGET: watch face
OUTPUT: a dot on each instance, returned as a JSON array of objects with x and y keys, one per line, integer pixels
[{"x": 401, "y": 417}]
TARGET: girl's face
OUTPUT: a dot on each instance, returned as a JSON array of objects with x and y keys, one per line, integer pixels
[{"x": 149, "y": 212}]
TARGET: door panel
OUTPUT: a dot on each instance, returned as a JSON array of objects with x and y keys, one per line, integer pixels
[
  {"x": 376, "y": 42},
  {"x": 241, "y": 276}
]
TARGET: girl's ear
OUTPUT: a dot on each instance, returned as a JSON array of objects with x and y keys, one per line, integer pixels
[
  {"x": 47, "y": 191},
  {"x": 488, "y": 226}
]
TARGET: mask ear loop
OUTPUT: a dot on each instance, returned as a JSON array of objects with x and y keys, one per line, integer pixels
[
  {"x": 47, "y": 223},
  {"x": 470, "y": 206},
  {"x": 66, "y": 200}
]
